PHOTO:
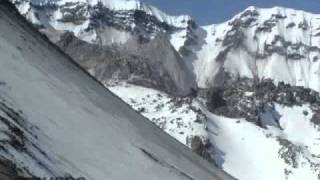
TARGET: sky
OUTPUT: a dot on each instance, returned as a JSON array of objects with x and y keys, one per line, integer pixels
[{"x": 216, "y": 11}]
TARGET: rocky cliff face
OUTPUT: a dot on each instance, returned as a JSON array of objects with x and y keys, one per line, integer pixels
[
  {"x": 249, "y": 100},
  {"x": 152, "y": 64}
]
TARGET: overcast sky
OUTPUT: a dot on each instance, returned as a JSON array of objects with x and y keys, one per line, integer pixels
[{"x": 215, "y": 11}]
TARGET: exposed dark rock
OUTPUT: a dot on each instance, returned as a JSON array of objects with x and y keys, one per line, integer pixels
[
  {"x": 154, "y": 64},
  {"x": 250, "y": 13},
  {"x": 317, "y": 34},
  {"x": 145, "y": 24},
  {"x": 74, "y": 13},
  {"x": 235, "y": 36},
  {"x": 8, "y": 170},
  {"x": 315, "y": 59},
  {"x": 245, "y": 98},
  {"x": 287, "y": 172},
  {"x": 216, "y": 99},
  {"x": 304, "y": 25},
  {"x": 289, "y": 152},
  {"x": 267, "y": 26},
  {"x": 223, "y": 54},
  {"x": 291, "y": 25},
  {"x": 201, "y": 148},
  {"x": 278, "y": 16},
  {"x": 316, "y": 118}
]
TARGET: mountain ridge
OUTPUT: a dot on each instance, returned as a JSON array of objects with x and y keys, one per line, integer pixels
[{"x": 202, "y": 46}]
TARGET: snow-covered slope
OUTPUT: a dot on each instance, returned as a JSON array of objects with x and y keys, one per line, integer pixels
[
  {"x": 272, "y": 129},
  {"x": 262, "y": 133},
  {"x": 179, "y": 117},
  {"x": 255, "y": 153},
  {"x": 56, "y": 120},
  {"x": 278, "y": 43},
  {"x": 253, "y": 125}
]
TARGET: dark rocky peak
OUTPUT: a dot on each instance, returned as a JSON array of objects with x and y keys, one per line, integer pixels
[
  {"x": 130, "y": 20},
  {"x": 250, "y": 12}
]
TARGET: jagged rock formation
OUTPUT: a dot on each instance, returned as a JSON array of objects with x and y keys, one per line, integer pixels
[{"x": 248, "y": 99}]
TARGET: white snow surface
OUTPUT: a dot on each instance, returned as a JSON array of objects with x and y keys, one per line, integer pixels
[
  {"x": 178, "y": 39},
  {"x": 84, "y": 129},
  {"x": 250, "y": 153}
]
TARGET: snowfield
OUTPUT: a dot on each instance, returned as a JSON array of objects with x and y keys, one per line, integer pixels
[{"x": 249, "y": 152}]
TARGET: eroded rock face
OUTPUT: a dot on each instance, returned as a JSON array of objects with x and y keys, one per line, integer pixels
[
  {"x": 153, "y": 64},
  {"x": 144, "y": 24},
  {"x": 250, "y": 100}
]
